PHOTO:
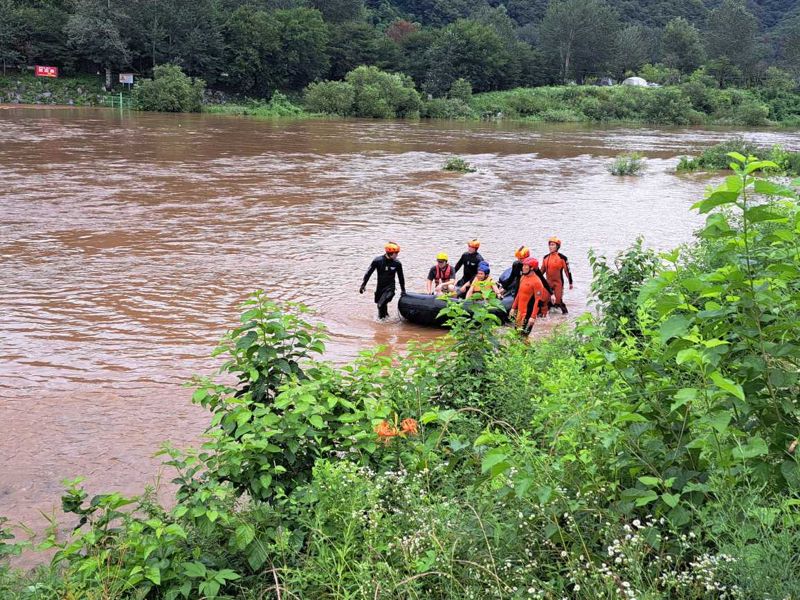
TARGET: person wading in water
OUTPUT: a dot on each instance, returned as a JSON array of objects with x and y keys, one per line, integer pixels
[
  {"x": 387, "y": 267},
  {"x": 470, "y": 261},
  {"x": 441, "y": 277},
  {"x": 554, "y": 266},
  {"x": 531, "y": 296}
]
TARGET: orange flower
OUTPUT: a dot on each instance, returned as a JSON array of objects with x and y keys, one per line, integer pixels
[
  {"x": 409, "y": 427},
  {"x": 386, "y": 432}
]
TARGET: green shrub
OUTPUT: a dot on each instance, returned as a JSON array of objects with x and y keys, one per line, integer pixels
[
  {"x": 667, "y": 106},
  {"x": 716, "y": 157},
  {"x": 461, "y": 89},
  {"x": 330, "y": 97},
  {"x": 627, "y": 164},
  {"x": 169, "y": 91},
  {"x": 446, "y": 108},
  {"x": 383, "y": 95},
  {"x": 751, "y": 113},
  {"x": 562, "y": 115},
  {"x": 459, "y": 165}
]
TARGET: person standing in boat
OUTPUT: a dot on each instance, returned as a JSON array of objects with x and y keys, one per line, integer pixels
[
  {"x": 555, "y": 265},
  {"x": 441, "y": 277},
  {"x": 387, "y": 267},
  {"x": 482, "y": 282},
  {"x": 531, "y": 296},
  {"x": 470, "y": 261}
]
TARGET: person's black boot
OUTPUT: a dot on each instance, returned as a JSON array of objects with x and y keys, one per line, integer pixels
[
  {"x": 526, "y": 331},
  {"x": 564, "y": 310}
]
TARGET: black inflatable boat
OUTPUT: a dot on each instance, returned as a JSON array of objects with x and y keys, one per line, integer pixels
[{"x": 423, "y": 309}]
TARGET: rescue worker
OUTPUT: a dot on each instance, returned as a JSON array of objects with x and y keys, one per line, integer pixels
[
  {"x": 482, "y": 282},
  {"x": 554, "y": 266},
  {"x": 441, "y": 277},
  {"x": 387, "y": 267},
  {"x": 530, "y": 297},
  {"x": 511, "y": 284},
  {"x": 470, "y": 261}
]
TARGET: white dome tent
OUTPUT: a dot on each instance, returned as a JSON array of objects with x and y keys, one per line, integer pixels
[{"x": 635, "y": 81}]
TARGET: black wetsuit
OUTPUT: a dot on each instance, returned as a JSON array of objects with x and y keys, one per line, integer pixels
[
  {"x": 512, "y": 283},
  {"x": 470, "y": 263},
  {"x": 387, "y": 268}
]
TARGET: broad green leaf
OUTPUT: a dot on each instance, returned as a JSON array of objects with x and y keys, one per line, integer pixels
[
  {"x": 763, "y": 214},
  {"x": 521, "y": 486},
  {"x": 671, "y": 500},
  {"x": 649, "y": 481},
  {"x": 630, "y": 417},
  {"x": 646, "y": 498},
  {"x": 316, "y": 421},
  {"x": 755, "y": 447},
  {"x": 719, "y": 420},
  {"x": 244, "y": 534},
  {"x": 544, "y": 493},
  {"x": 764, "y": 186},
  {"x": 675, "y": 326},
  {"x": 265, "y": 480},
  {"x": 716, "y": 199},
  {"x": 210, "y": 588},
  {"x": 734, "y": 389},
  {"x": 683, "y": 396},
  {"x": 153, "y": 574},
  {"x": 492, "y": 458},
  {"x": 194, "y": 569}
]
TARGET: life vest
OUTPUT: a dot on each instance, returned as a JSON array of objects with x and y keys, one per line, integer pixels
[{"x": 443, "y": 275}]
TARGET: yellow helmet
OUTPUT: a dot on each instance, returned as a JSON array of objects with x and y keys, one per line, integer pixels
[{"x": 441, "y": 256}]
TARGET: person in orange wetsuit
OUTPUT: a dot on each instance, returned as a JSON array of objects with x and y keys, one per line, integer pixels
[
  {"x": 555, "y": 265},
  {"x": 531, "y": 295}
]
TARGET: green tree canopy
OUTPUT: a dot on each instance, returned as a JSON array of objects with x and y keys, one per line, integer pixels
[
  {"x": 733, "y": 35},
  {"x": 94, "y": 30},
  {"x": 681, "y": 46},
  {"x": 579, "y": 36}
]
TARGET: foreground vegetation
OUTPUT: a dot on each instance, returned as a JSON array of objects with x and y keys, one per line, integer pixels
[{"x": 649, "y": 453}]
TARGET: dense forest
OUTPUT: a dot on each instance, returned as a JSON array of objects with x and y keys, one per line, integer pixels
[{"x": 254, "y": 48}]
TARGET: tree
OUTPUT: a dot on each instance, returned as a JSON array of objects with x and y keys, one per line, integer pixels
[
  {"x": 790, "y": 44},
  {"x": 354, "y": 44},
  {"x": 339, "y": 11},
  {"x": 472, "y": 51},
  {"x": 634, "y": 47},
  {"x": 579, "y": 36},
  {"x": 282, "y": 49},
  {"x": 94, "y": 32},
  {"x": 681, "y": 46},
  {"x": 10, "y": 34},
  {"x": 732, "y": 35}
]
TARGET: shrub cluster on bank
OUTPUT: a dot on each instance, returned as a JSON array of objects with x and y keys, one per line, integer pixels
[
  {"x": 717, "y": 157},
  {"x": 650, "y": 453}
]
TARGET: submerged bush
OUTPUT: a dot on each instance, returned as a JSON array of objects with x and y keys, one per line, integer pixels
[
  {"x": 627, "y": 164},
  {"x": 169, "y": 91},
  {"x": 459, "y": 165}
]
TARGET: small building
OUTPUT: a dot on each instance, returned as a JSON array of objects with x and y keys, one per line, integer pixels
[{"x": 635, "y": 82}]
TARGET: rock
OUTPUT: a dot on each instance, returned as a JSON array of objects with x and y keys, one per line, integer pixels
[{"x": 47, "y": 95}]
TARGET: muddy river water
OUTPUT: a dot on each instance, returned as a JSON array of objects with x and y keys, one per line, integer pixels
[{"x": 128, "y": 241}]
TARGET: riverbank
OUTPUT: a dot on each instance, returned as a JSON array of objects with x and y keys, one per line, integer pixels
[
  {"x": 691, "y": 103},
  {"x": 651, "y": 452}
]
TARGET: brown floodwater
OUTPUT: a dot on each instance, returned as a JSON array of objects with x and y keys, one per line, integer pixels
[{"x": 127, "y": 242}]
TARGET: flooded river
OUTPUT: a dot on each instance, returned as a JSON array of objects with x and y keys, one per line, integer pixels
[{"x": 128, "y": 241}]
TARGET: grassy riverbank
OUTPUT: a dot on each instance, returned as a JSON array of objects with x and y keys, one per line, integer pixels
[
  {"x": 691, "y": 103},
  {"x": 651, "y": 452},
  {"x": 24, "y": 88}
]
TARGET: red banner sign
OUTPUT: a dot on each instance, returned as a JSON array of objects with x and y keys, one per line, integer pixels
[{"x": 46, "y": 71}]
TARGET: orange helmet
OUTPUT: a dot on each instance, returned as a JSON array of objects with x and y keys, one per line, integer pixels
[
  {"x": 474, "y": 243},
  {"x": 522, "y": 253},
  {"x": 391, "y": 248},
  {"x": 555, "y": 240},
  {"x": 531, "y": 262}
]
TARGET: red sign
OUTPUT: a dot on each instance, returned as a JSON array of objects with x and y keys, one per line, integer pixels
[{"x": 46, "y": 71}]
